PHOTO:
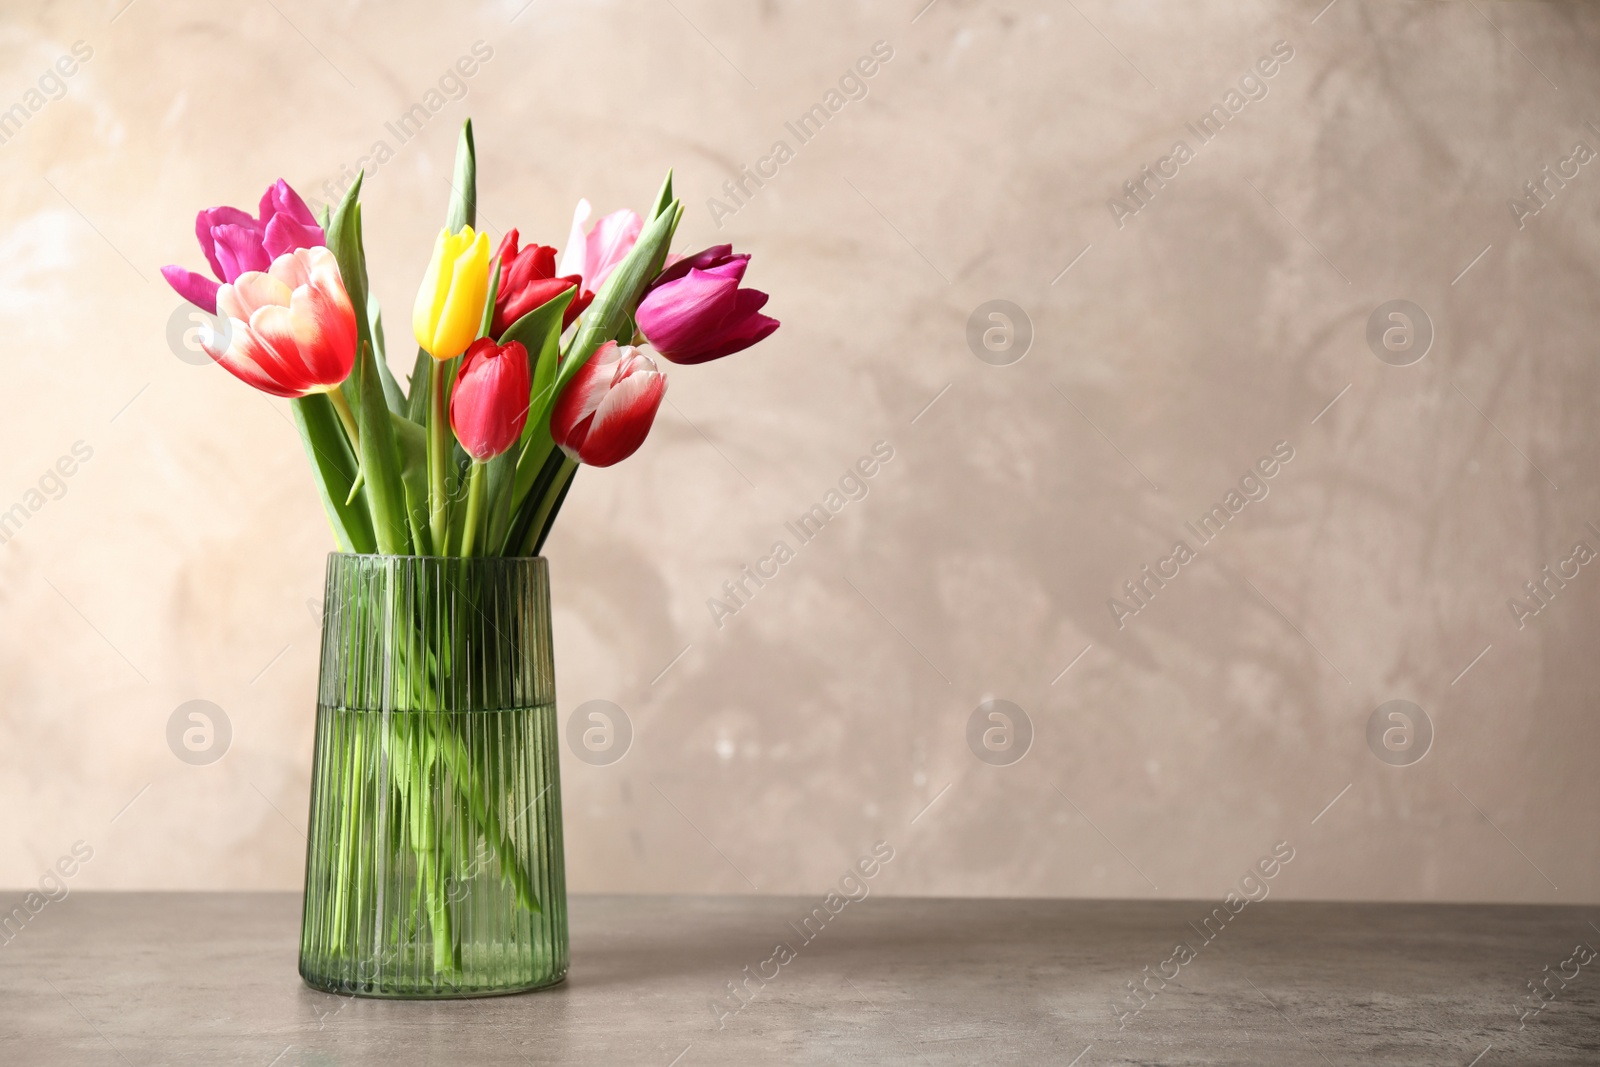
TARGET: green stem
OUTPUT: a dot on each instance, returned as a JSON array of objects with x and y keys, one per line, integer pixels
[
  {"x": 348, "y": 417},
  {"x": 552, "y": 498},
  {"x": 438, "y": 446},
  {"x": 475, "y": 489},
  {"x": 555, "y": 509}
]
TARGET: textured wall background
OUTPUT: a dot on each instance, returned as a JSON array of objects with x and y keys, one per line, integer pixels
[{"x": 1169, "y": 353}]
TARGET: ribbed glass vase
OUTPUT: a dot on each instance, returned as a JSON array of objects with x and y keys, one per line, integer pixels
[{"x": 434, "y": 862}]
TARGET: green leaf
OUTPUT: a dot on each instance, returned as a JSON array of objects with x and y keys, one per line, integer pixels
[
  {"x": 547, "y": 521},
  {"x": 502, "y": 477},
  {"x": 334, "y": 469},
  {"x": 391, "y": 389},
  {"x": 540, "y": 330},
  {"x": 550, "y": 461},
  {"x": 412, "y": 442},
  {"x": 343, "y": 234},
  {"x": 540, "y": 333},
  {"x": 663, "y": 198},
  {"x": 492, "y": 294},
  {"x": 464, "y": 201},
  {"x": 392, "y": 393},
  {"x": 417, "y": 394},
  {"x": 380, "y": 459}
]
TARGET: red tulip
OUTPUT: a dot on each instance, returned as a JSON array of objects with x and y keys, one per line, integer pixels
[
  {"x": 605, "y": 412},
  {"x": 489, "y": 405},
  {"x": 695, "y": 311},
  {"x": 290, "y": 329},
  {"x": 528, "y": 280}
]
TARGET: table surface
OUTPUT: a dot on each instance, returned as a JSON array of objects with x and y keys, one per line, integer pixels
[{"x": 210, "y": 978}]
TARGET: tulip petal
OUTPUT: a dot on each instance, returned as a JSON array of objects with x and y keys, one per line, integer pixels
[
  {"x": 195, "y": 288},
  {"x": 431, "y": 293},
  {"x": 507, "y": 250},
  {"x": 239, "y": 249},
  {"x": 582, "y": 396},
  {"x": 675, "y": 316},
  {"x": 743, "y": 327},
  {"x": 322, "y": 267},
  {"x": 285, "y": 234},
  {"x": 608, "y": 245},
  {"x": 714, "y": 256},
  {"x": 280, "y": 200},
  {"x": 462, "y": 312},
  {"x": 289, "y": 344},
  {"x": 580, "y": 302},
  {"x": 324, "y": 326},
  {"x": 533, "y": 294},
  {"x": 251, "y": 291},
  {"x": 249, "y": 360},
  {"x": 308, "y": 266},
  {"x": 623, "y": 419},
  {"x": 217, "y": 216},
  {"x": 572, "y": 260}
]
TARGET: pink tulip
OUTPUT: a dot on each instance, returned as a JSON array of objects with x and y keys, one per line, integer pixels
[
  {"x": 291, "y": 329},
  {"x": 695, "y": 311},
  {"x": 596, "y": 255},
  {"x": 489, "y": 405},
  {"x": 605, "y": 412},
  {"x": 234, "y": 242}
]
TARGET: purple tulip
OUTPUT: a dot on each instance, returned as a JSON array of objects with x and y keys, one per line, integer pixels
[
  {"x": 234, "y": 242},
  {"x": 695, "y": 311}
]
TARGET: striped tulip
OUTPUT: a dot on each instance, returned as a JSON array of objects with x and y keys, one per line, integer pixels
[
  {"x": 605, "y": 412},
  {"x": 291, "y": 330}
]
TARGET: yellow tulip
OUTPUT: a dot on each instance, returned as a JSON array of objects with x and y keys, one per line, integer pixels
[{"x": 449, "y": 306}]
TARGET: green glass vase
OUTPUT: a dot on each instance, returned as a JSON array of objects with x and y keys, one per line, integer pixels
[{"x": 434, "y": 863}]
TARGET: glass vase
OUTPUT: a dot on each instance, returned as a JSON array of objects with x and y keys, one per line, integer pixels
[{"x": 434, "y": 863}]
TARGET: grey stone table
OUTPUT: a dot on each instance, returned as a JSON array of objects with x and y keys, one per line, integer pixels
[{"x": 209, "y": 979}]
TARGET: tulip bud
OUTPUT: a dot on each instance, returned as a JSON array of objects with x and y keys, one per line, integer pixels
[
  {"x": 605, "y": 412},
  {"x": 695, "y": 311},
  {"x": 489, "y": 405},
  {"x": 527, "y": 281},
  {"x": 449, "y": 306},
  {"x": 593, "y": 256}
]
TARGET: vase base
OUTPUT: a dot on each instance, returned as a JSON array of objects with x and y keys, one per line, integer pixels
[{"x": 373, "y": 991}]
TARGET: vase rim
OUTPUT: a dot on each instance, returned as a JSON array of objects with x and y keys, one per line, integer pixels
[{"x": 458, "y": 559}]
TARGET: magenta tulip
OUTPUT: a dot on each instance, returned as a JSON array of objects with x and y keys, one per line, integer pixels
[
  {"x": 234, "y": 242},
  {"x": 489, "y": 405},
  {"x": 595, "y": 255},
  {"x": 606, "y": 410},
  {"x": 695, "y": 311},
  {"x": 291, "y": 330}
]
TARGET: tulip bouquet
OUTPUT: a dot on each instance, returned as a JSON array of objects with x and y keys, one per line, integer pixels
[
  {"x": 476, "y": 458},
  {"x": 527, "y": 368}
]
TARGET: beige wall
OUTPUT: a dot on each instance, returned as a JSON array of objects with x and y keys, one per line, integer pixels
[{"x": 185, "y": 557}]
